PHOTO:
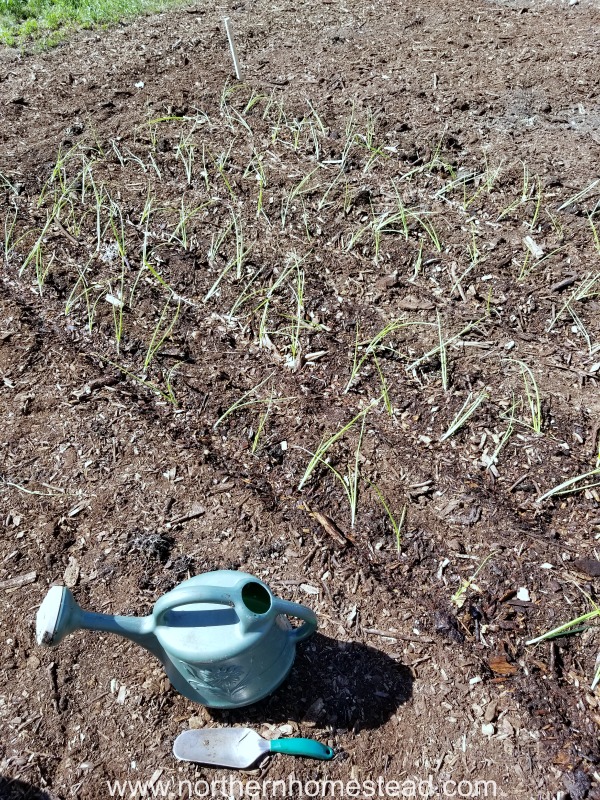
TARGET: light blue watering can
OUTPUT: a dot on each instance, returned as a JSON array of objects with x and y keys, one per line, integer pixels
[{"x": 223, "y": 637}]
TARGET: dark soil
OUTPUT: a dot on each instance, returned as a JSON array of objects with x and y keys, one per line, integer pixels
[{"x": 129, "y": 462}]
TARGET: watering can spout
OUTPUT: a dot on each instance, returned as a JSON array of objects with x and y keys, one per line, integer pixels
[{"x": 60, "y": 615}]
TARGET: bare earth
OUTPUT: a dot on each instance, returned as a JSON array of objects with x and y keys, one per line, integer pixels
[{"x": 431, "y": 172}]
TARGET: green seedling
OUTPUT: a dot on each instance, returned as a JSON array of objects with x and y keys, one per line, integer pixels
[
  {"x": 292, "y": 268},
  {"x": 244, "y": 401},
  {"x": 418, "y": 263},
  {"x": 90, "y": 293},
  {"x": 317, "y": 118},
  {"x": 297, "y": 318},
  {"x": 397, "y": 524},
  {"x": 532, "y": 395},
  {"x": 596, "y": 679},
  {"x": 461, "y": 180},
  {"x": 161, "y": 332},
  {"x": 581, "y": 328},
  {"x": 385, "y": 223},
  {"x": 236, "y": 260},
  {"x": 220, "y": 162},
  {"x": 443, "y": 353},
  {"x": 384, "y": 387},
  {"x": 538, "y": 204},
  {"x": 146, "y": 264},
  {"x": 204, "y": 171},
  {"x": 523, "y": 198},
  {"x": 572, "y": 485},
  {"x": 117, "y": 152},
  {"x": 246, "y": 295},
  {"x": 486, "y": 182},
  {"x": 428, "y": 227},
  {"x": 58, "y": 176},
  {"x": 350, "y": 136},
  {"x": 324, "y": 202},
  {"x": 241, "y": 403},
  {"x": 567, "y": 628},
  {"x": 36, "y": 256},
  {"x": 216, "y": 242},
  {"x": 270, "y": 101},
  {"x": 186, "y": 215},
  {"x": 100, "y": 194},
  {"x": 302, "y": 187},
  {"x": 595, "y": 233},
  {"x": 240, "y": 251},
  {"x": 531, "y": 262},
  {"x": 7, "y": 183},
  {"x": 579, "y": 195},
  {"x": 557, "y": 227},
  {"x": 506, "y": 435},
  {"x": 254, "y": 100},
  {"x": 256, "y": 168},
  {"x": 118, "y": 230},
  {"x": 167, "y": 118},
  {"x": 372, "y": 347},
  {"x": 435, "y": 350},
  {"x": 467, "y": 410},
  {"x": 319, "y": 456},
  {"x": 577, "y": 625},
  {"x": 367, "y": 140},
  {"x": 168, "y": 379},
  {"x": 349, "y": 481},
  {"x": 185, "y": 153},
  {"x": 472, "y": 248},
  {"x": 587, "y": 289},
  {"x": 355, "y": 237},
  {"x": 168, "y": 395},
  {"x": 458, "y": 597},
  {"x": 277, "y": 123},
  {"x": 317, "y": 129},
  {"x": 262, "y": 421}
]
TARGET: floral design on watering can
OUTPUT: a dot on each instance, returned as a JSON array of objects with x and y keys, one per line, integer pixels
[
  {"x": 223, "y": 637},
  {"x": 228, "y": 679}
]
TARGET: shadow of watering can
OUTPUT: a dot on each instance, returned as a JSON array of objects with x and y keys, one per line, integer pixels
[{"x": 223, "y": 637}]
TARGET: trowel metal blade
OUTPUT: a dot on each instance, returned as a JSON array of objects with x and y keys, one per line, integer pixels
[{"x": 223, "y": 747}]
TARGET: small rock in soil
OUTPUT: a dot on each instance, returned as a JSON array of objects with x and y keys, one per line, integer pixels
[
  {"x": 490, "y": 712},
  {"x": 577, "y": 784},
  {"x": 589, "y": 566},
  {"x": 446, "y": 624}
]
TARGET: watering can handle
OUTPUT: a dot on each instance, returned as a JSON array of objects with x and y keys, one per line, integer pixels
[
  {"x": 303, "y": 613},
  {"x": 186, "y": 595}
]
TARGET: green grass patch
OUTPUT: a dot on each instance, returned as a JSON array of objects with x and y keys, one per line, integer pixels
[{"x": 49, "y": 21}]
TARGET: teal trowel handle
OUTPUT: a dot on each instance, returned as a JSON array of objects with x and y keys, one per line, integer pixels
[{"x": 302, "y": 747}]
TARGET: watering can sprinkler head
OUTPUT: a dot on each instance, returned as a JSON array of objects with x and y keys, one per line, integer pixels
[{"x": 57, "y": 617}]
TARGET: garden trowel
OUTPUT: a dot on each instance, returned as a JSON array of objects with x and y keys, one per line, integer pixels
[{"x": 241, "y": 747}]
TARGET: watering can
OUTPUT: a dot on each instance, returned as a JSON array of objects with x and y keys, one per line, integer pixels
[{"x": 223, "y": 637}]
